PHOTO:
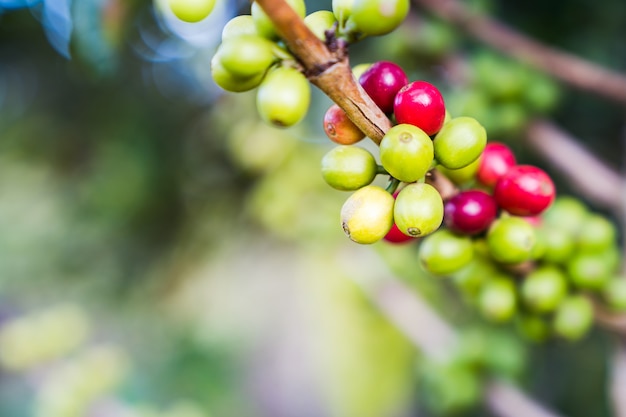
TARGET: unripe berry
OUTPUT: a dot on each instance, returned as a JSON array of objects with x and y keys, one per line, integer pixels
[
  {"x": 348, "y": 168},
  {"x": 420, "y": 104},
  {"x": 191, "y": 11},
  {"x": 396, "y": 236},
  {"x": 589, "y": 271},
  {"x": 511, "y": 240},
  {"x": 264, "y": 24},
  {"x": 596, "y": 234},
  {"x": 574, "y": 317},
  {"x": 496, "y": 159},
  {"x": 470, "y": 212},
  {"x": 283, "y": 97},
  {"x": 378, "y": 17},
  {"x": 339, "y": 128},
  {"x": 497, "y": 301},
  {"x": 443, "y": 252},
  {"x": 319, "y": 22},
  {"x": 238, "y": 26},
  {"x": 418, "y": 210},
  {"x": 367, "y": 215},
  {"x": 230, "y": 82},
  {"x": 544, "y": 288},
  {"x": 524, "y": 190},
  {"x": 459, "y": 142},
  {"x": 382, "y": 81},
  {"x": 406, "y": 152},
  {"x": 246, "y": 55},
  {"x": 614, "y": 293}
]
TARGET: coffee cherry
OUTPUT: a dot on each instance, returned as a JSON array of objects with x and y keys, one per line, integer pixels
[
  {"x": 559, "y": 245},
  {"x": 524, "y": 190},
  {"x": 533, "y": 327},
  {"x": 348, "y": 168},
  {"x": 614, "y": 293},
  {"x": 470, "y": 212},
  {"x": 406, "y": 152},
  {"x": 543, "y": 289},
  {"x": 567, "y": 213},
  {"x": 496, "y": 159},
  {"x": 596, "y": 233},
  {"x": 588, "y": 271},
  {"x": 443, "y": 252},
  {"x": 191, "y": 11},
  {"x": 342, "y": 9},
  {"x": 461, "y": 176},
  {"x": 418, "y": 210},
  {"x": 283, "y": 97},
  {"x": 319, "y": 22},
  {"x": 367, "y": 215},
  {"x": 396, "y": 236},
  {"x": 264, "y": 24},
  {"x": 229, "y": 82},
  {"x": 378, "y": 17},
  {"x": 246, "y": 55},
  {"x": 420, "y": 104},
  {"x": 497, "y": 300},
  {"x": 382, "y": 81},
  {"x": 238, "y": 26},
  {"x": 459, "y": 142},
  {"x": 471, "y": 277},
  {"x": 339, "y": 128},
  {"x": 573, "y": 317},
  {"x": 511, "y": 240}
]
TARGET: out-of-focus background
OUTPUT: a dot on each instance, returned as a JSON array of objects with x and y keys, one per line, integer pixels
[{"x": 163, "y": 253}]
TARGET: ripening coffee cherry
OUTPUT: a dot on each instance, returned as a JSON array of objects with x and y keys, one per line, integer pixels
[
  {"x": 589, "y": 271},
  {"x": 543, "y": 289},
  {"x": 420, "y": 104},
  {"x": 359, "y": 69},
  {"x": 459, "y": 142},
  {"x": 382, "y": 81},
  {"x": 497, "y": 299},
  {"x": 406, "y": 152},
  {"x": 264, "y": 24},
  {"x": 443, "y": 252},
  {"x": 496, "y": 159},
  {"x": 511, "y": 240},
  {"x": 238, "y": 26},
  {"x": 378, "y": 17},
  {"x": 348, "y": 168},
  {"x": 573, "y": 317},
  {"x": 191, "y": 11},
  {"x": 470, "y": 212},
  {"x": 395, "y": 235},
  {"x": 246, "y": 55},
  {"x": 418, "y": 210},
  {"x": 339, "y": 128},
  {"x": 367, "y": 215},
  {"x": 319, "y": 22},
  {"x": 596, "y": 234},
  {"x": 230, "y": 82},
  {"x": 283, "y": 97},
  {"x": 524, "y": 190}
]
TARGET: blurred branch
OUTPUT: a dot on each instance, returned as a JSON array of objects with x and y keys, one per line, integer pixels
[
  {"x": 590, "y": 175},
  {"x": 576, "y": 71}
]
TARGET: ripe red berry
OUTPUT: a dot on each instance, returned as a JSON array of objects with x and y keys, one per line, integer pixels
[
  {"x": 420, "y": 104},
  {"x": 396, "y": 236},
  {"x": 524, "y": 190},
  {"x": 470, "y": 212},
  {"x": 339, "y": 128},
  {"x": 382, "y": 81},
  {"x": 496, "y": 160}
]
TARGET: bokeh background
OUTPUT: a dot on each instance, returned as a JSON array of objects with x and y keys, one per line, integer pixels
[{"x": 165, "y": 254}]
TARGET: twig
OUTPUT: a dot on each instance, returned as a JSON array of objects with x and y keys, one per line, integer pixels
[{"x": 576, "y": 71}]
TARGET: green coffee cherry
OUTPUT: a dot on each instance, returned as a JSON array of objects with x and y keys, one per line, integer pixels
[
  {"x": 443, "y": 252},
  {"x": 264, "y": 24},
  {"x": 230, "y": 82},
  {"x": 596, "y": 234},
  {"x": 589, "y": 271},
  {"x": 559, "y": 244},
  {"x": 471, "y": 277},
  {"x": 497, "y": 300},
  {"x": 450, "y": 388},
  {"x": 511, "y": 240},
  {"x": 566, "y": 213},
  {"x": 459, "y": 142},
  {"x": 367, "y": 215},
  {"x": 461, "y": 176},
  {"x": 533, "y": 327},
  {"x": 406, "y": 152},
  {"x": 246, "y": 55},
  {"x": 342, "y": 9},
  {"x": 319, "y": 22},
  {"x": 573, "y": 318},
  {"x": 614, "y": 293},
  {"x": 284, "y": 96},
  {"x": 348, "y": 168},
  {"x": 543, "y": 289},
  {"x": 378, "y": 17},
  {"x": 418, "y": 210},
  {"x": 238, "y": 26},
  {"x": 191, "y": 11}
]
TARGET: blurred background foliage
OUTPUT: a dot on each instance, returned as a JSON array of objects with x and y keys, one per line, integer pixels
[{"x": 164, "y": 254}]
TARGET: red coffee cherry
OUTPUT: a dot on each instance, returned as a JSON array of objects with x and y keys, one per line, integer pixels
[
  {"x": 339, "y": 128},
  {"x": 382, "y": 81},
  {"x": 524, "y": 190},
  {"x": 420, "y": 104},
  {"x": 470, "y": 212},
  {"x": 395, "y": 235},
  {"x": 496, "y": 160}
]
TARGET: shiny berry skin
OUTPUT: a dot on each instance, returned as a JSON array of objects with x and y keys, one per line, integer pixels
[
  {"x": 470, "y": 212},
  {"x": 421, "y": 104},
  {"x": 524, "y": 190},
  {"x": 496, "y": 160},
  {"x": 418, "y": 210},
  {"x": 283, "y": 97},
  {"x": 367, "y": 215},
  {"x": 378, "y": 17},
  {"x": 406, "y": 152},
  {"x": 511, "y": 240},
  {"x": 348, "y": 168},
  {"x": 444, "y": 252},
  {"x": 396, "y": 236},
  {"x": 382, "y": 81},
  {"x": 459, "y": 142},
  {"x": 339, "y": 128},
  {"x": 191, "y": 11}
]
